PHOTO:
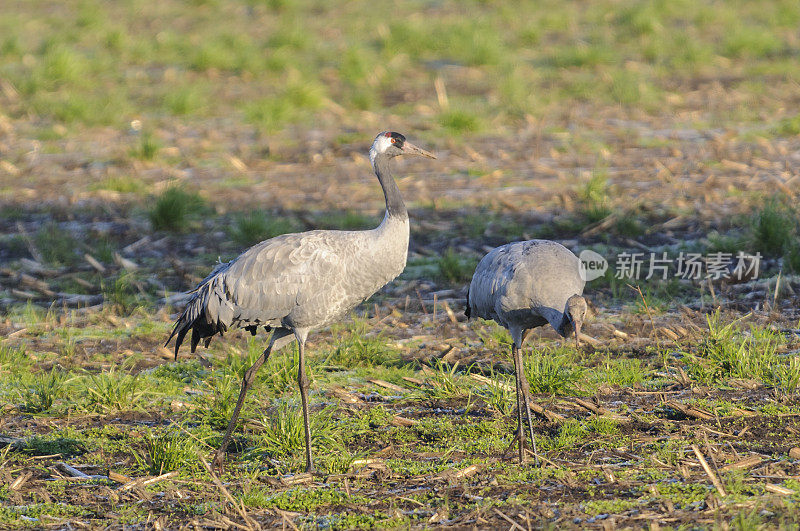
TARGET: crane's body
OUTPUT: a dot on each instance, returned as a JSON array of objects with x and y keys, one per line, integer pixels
[
  {"x": 524, "y": 285},
  {"x": 295, "y": 283},
  {"x": 276, "y": 283}
]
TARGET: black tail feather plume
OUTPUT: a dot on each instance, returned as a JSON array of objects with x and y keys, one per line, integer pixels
[{"x": 194, "y": 318}]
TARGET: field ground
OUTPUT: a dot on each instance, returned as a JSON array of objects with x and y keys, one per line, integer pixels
[{"x": 134, "y": 156}]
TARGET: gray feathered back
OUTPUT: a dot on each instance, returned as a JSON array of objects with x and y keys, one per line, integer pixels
[
  {"x": 525, "y": 284},
  {"x": 303, "y": 280}
]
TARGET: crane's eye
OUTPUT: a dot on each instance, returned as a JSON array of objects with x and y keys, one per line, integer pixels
[{"x": 394, "y": 140}]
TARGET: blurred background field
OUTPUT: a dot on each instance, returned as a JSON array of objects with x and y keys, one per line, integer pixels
[{"x": 140, "y": 142}]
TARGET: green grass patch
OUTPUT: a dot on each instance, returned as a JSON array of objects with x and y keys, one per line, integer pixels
[
  {"x": 729, "y": 351},
  {"x": 553, "y": 371},
  {"x": 175, "y": 208},
  {"x": 168, "y": 450},
  {"x": 455, "y": 268}
]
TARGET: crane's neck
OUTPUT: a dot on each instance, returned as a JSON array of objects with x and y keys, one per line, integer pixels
[{"x": 395, "y": 208}]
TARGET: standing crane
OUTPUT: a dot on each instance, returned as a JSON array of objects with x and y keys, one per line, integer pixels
[
  {"x": 295, "y": 283},
  {"x": 521, "y": 286}
]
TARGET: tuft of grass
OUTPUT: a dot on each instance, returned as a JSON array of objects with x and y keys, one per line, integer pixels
[
  {"x": 184, "y": 101},
  {"x": 593, "y": 198},
  {"x": 570, "y": 433},
  {"x": 299, "y": 499},
  {"x": 282, "y": 433},
  {"x": 257, "y": 226},
  {"x": 628, "y": 224},
  {"x": 446, "y": 383},
  {"x": 47, "y": 445},
  {"x": 730, "y": 352},
  {"x": 776, "y": 227},
  {"x": 624, "y": 372},
  {"x": 498, "y": 394},
  {"x": 113, "y": 390},
  {"x": 58, "y": 246},
  {"x": 294, "y": 103},
  {"x": 218, "y": 400},
  {"x": 751, "y": 40},
  {"x": 552, "y": 371},
  {"x": 13, "y": 359},
  {"x": 123, "y": 185},
  {"x": 789, "y": 126},
  {"x": 124, "y": 294},
  {"x": 459, "y": 122},
  {"x": 455, "y": 268},
  {"x": 147, "y": 148},
  {"x": 174, "y": 209},
  {"x": 358, "y": 347},
  {"x": 167, "y": 451},
  {"x": 42, "y": 390}
]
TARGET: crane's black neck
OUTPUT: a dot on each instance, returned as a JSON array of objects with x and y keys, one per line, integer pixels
[{"x": 395, "y": 208}]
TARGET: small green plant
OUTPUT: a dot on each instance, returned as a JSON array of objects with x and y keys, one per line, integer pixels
[
  {"x": 455, "y": 268},
  {"x": 620, "y": 371},
  {"x": 730, "y": 352},
  {"x": 594, "y": 199},
  {"x": 570, "y": 433},
  {"x": 459, "y": 122},
  {"x": 499, "y": 394},
  {"x": 174, "y": 209},
  {"x": 58, "y": 246},
  {"x": 167, "y": 451},
  {"x": 358, "y": 347},
  {"x": 219, "y": 398},
  {"x": 113, "y": 390},
  {"x": 446, "y": 383},
  {"x": 186, "y": 100},
  {"x": 552, "y": 371},
  {"x": 42, "y": 390},
  {"x": 282, "y": 432},
  {"x": 49, "y": 445},
  {"x": 147, "y": 148},
  {"x": 123, "y": 185},
  {"x": 775, "y": 230},
  {"x": 13, "y": 359},
  {"x": 789, "y": 126},
  {"x": 785, "y": 374},
  {"x": 293, "y": 103},
  {"x": 124, "y": 294}
]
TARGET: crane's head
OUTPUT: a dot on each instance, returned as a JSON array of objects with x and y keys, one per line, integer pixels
[
  {"x": 576, "y": 312},
  {"x": 393, "y": 144}
]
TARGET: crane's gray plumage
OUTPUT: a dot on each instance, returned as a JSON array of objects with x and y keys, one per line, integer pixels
[
  {"x": 295, "y": 283},
  {"x": 521, "y": 286}
]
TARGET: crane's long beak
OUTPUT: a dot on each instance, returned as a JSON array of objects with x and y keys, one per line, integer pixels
[
  {"x": 577, "y": 335},
  {"x": 411, "y": 149}
]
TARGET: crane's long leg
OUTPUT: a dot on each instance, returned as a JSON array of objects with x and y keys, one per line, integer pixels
[
  {"x": 520, "y": 398},
  {"x": 247, "y": 381},
  {"x": 526, "y": 397},
  {"x": 302, "y": 381}
]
